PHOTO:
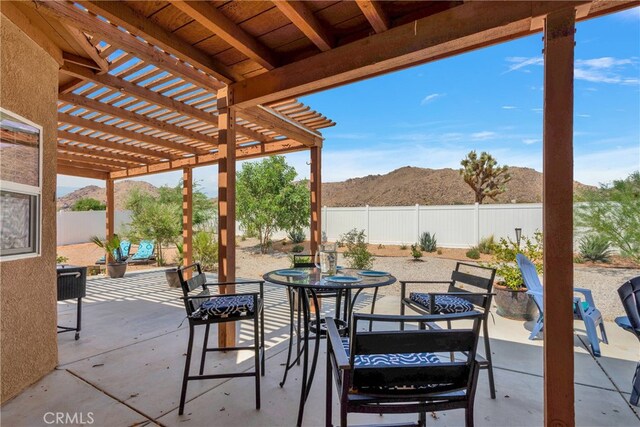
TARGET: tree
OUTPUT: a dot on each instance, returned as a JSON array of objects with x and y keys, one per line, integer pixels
[
  {"x": 88, "y": 204},
  {"x": 269, "y": 199},
  {"x": 484, "y": 176},
  {"x": 613, "y": 213}
]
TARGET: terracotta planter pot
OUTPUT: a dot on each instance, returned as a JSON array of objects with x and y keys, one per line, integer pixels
[
  {"x": 516, "y": 305},
  {"x": 115, "y": 270},
  {"x": 172, "y": 277}
]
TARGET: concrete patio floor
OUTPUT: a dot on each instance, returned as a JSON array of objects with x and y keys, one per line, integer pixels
[{"x": 127, "y": 366}]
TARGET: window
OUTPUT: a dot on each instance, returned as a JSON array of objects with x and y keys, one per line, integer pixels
[{"x": 20, "y": 186}]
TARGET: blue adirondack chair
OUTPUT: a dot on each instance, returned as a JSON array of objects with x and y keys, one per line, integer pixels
[
  {"x": 630, "y": 297},
  {"x": 125, "y": 248},
  {"x": 584, "y": 310},
  {"x": 144, "y": 252}
]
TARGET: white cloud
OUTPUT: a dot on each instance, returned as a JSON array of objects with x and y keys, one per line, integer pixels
[
  {"x": 430, "y": 98},
  {"x": 483, "y": 135},
  {"x": 583, "y": 115},
  {"x": 509, "y": 107},
  {"x": 519, "y": 62},
  {"x": 529, "y": 141},
  {"x": 605, "y": 166}
]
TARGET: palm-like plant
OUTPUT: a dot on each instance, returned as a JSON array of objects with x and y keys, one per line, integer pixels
[{"x": 111, "y": 246}]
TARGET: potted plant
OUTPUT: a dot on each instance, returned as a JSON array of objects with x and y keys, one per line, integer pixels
[
  {"x": 171, "y": 274},
  {"x": 116, "y": 265},
  {"x": 511, "y": 298}
]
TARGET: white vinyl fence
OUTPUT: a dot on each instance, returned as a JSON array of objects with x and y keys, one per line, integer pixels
[{"x": 456, "y": 226}]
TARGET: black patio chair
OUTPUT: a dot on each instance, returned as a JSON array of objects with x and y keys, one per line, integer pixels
[
  {"x": 206, "y": 309},
  {"x": 397, "y": 372},
  {"x": 469, "y": 289},
  {"x": 630, "y": 296}
]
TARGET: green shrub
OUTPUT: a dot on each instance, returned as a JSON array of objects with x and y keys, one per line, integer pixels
[
  {"x": 297, "y": 249},
  {"x": 61, "y": 259},
  {"x": 473, "y": 253},
  {"x": 357, "y": 254},
  {"x": 595, "y": 248},
  {"x": 439, "y": 251},
  {"x": 296, "y": 235},
  {"x": 428, "y": 242},
  {"x": 381, "y": 246},
  {"x": 416, "y": 253},
  {"x": 487, "y": 245},
  {"x": 205, "y": 250},
  {"x": 505, "y": 254},
  {"x": 403, "y": 246}
]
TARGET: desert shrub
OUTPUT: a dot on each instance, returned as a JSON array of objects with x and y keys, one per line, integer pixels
[
  {"x": 296, "y": 235},
  {"x": 357, "y": 253},
  {"x": 297, "y": 249},
  {"x": 428, "y": 242},
  {"x": 487, "y": 245},
  {"x": 381, "y": 246},
  {"x": 578, "y": 259},
  {"x": 403, "y": 246},
  {"x": 324, "y": 237},
  {"x": 505, "y": 254},
  {"x": 179, "y": 257},
  {"x": 416, "y": 252},
  {"x": 300, "y": 259},
  {"x": 439, "y": 251},
  {"x": 595, "y": 248},
  {"x": 205, "y": 250},
  {"x": 88, "y": 204},
  {"x": 61, "y": 259},
  {"x": 473, "y": 253}
]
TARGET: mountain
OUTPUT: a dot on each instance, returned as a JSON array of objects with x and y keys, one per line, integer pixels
[
  {"x": 121, "y": 192},
  {"x": 409, "y": 185}
]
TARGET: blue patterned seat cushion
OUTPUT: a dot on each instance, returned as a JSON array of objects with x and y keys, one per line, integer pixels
[
  {"x": 445, "y": 304},
  {"x": 392, "y": 359},
  {"x": 225, "y": 307}
]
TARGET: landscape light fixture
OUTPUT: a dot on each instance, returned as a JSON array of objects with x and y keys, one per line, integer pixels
[{"x": 518, "y": 236}]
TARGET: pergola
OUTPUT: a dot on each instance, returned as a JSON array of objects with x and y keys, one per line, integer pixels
[{"x": 223, "y": 84}]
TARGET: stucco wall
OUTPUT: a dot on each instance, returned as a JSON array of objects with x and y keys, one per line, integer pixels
[{"x": 28, "y": 344}]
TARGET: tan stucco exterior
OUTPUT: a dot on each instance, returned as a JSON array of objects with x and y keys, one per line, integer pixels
[{"x": 28, "y": 344}]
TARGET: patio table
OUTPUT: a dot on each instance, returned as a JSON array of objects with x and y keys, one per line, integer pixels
[{"x": 308, "y": 281}]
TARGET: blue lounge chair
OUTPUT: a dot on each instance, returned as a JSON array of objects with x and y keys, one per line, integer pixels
[
  {"x": 584, "y": 310},
  {"x": 630, "y": 297},
  {"x": 125, "y": 248},
  {"x": 144, "y": 254}
]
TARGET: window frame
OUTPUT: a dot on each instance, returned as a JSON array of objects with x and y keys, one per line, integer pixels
[{"x": 35, "y": 226}]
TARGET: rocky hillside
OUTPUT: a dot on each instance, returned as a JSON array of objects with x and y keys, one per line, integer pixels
[
  {"x": 121, "y": 192},
  {"x": 411, "y": 185}
]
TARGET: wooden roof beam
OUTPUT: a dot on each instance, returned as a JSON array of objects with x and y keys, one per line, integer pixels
[
  {"x": 216, "y": 22},
  {"x": 374, "y": 13},
  {"x": 304, "y": 19},
  {"x": 69, "y": 14},
  {"x": 270, "y": 119},
  {"x": 102, "y": 153},
  {"x": 112, "y": 131},
  {"x": 66, "y": 169},
  {"x": 122, "y": 15},
  {"x": 89, "y": 49},
  {"x": 468, "y": 26},
  {"x": 140, "y": 119},
  {"x": 95, "y": 161}
]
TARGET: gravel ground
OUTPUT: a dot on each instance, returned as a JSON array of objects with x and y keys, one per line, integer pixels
[{"x": 603, "y": 282}]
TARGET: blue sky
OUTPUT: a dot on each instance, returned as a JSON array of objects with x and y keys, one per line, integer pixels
[{"x": 488, "y": 100}]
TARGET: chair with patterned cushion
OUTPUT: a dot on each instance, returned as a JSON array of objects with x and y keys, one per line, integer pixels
[
  {"x": 205, "y": 309},
  {"x": 125, "y": 249},
  {"x": 391, "y": 371},
  {"x": 469, "y": 289},
  {"x": 584, "y": 307},
  {"x": 630, "y": 297},
  {"x": 144, "y": 254}
]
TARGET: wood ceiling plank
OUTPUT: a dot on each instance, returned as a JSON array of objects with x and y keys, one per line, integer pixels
[
  {"x": 374, "y": 13},
  {"x": 216, "y": 22},
  {"x": 103, "y": 153},
  {"x": 91, "y": 161},
  {"x": 304, "y": 19},
  {"x": 463, "y": 28}
]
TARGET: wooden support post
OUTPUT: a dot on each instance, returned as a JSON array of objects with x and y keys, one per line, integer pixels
[
  {"x": 558, "y": 218},
  {"x": 187, "y": 216},
  {"x": 226, "y": 206},
  {"x": 110, "y": 214},
  {"x": 315, "y": 182}
]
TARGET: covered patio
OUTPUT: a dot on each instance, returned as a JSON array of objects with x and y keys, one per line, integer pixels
[
  {"x": 126, "y": 369},
  {"x": 148, "y": 87}
]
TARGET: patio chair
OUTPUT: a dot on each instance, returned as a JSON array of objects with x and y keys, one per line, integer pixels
[
  {"x": 583, "y": 310},
  {"x": 392, "y": 371},
  {"x": 125, "y": 248},
  {"x": 630, "y": 297},
  {"x": 468, "y": 289},
  {"x": 145, "y": 253},
  {"x": 206, "y": 309}
]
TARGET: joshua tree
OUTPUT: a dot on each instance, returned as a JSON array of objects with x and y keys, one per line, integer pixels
[{"x": 484, "y": 176}]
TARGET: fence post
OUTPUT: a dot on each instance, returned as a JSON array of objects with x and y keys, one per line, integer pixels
[
  {"x": 366, "y": 221},
  {"x": 476, "y": 224},
  {"x": 417, "y": 222}
]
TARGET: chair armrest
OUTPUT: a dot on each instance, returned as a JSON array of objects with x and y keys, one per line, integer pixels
[
  {"x": 342, "y": 360},
  {"x": 624, "y": 323},
  {"x": 247, "y": 282},
  {"x": 220, "y": 295},
  {"x": 587, "y": 295}
]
